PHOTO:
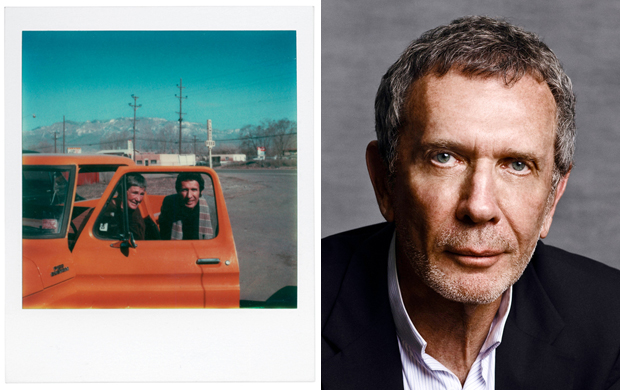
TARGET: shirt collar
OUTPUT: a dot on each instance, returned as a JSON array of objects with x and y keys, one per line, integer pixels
[{"x": 406, "y": 330}]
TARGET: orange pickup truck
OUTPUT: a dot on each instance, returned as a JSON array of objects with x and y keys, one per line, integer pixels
[{"x": 88, "y": 243}]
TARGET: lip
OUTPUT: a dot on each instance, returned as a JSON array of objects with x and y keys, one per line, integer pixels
[{"x": 475, "y": 258}]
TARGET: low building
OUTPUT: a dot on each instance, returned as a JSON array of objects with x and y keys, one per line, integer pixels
[
  {"x": 146, "y": 159},
  {"x": 229, "y": 158}
]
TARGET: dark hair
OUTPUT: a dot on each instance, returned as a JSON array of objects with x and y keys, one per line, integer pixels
[
  {"x": 476, "y": 46},
  {"x": 136, "y": 179},
  {"x": 189, "y": 176}
]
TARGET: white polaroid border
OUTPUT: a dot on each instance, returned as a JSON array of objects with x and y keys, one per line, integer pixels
[{"x": 244, "y": 345}]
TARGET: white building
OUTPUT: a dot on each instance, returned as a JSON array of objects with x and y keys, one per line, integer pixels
[{"x": 229, "y": 158}]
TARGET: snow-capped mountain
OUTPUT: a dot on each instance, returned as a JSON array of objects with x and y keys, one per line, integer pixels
[{"x": 152, "y": 134}]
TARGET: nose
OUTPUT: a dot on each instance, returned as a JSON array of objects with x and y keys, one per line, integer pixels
[{"x": 478, "y": 198}]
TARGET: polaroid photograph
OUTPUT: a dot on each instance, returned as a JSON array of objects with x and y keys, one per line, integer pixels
[{"x": 167, "y": 198}]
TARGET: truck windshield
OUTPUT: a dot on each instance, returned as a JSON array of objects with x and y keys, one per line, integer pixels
[{"x": 45, "y": 201}]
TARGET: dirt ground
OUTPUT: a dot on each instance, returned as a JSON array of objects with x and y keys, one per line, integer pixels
[{"x": 262, "y": 205}]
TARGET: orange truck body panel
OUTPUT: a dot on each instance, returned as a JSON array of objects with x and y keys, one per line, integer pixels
[{"x": 97, "y": 273}]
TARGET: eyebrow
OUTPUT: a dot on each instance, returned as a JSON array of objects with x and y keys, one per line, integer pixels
[{"x": 459, "y": 148}]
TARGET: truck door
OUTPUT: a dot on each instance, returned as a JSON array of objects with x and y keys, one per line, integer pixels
[{"x": 135, "y": 256}]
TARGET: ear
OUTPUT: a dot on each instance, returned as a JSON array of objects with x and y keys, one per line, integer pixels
[
  {"x": 379, "y": 173},
  {"x": 558, "y": 194}
]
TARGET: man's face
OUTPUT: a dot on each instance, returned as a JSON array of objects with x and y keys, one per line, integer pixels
[
  {"x": 190, "y": 193},
  {"x": 135, "y": 195},
  {"x": 472, "y": 189}
]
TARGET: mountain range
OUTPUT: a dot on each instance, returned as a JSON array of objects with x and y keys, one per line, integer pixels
[{"x": 152, "y": 134}]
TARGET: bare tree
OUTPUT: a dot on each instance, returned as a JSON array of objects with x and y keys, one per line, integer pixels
[
  {"x": 275, "y": 136},
  {"x": 252, "y": 137},
  {"x": 284, "y": 133},
  {"x": 228, "y": 149}
]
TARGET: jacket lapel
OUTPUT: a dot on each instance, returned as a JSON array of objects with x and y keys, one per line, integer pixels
[
  {"x": 527, "y": 358},
  {"x": 360, "y": 329}
]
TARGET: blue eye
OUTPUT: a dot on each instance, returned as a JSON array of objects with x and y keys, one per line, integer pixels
[
  {"x": 443, "y": 158},
  {"x": 518, "y": 166}
]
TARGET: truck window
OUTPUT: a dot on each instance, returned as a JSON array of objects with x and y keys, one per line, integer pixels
[
  {"x": 45, "y": 200},
  {"x": 93, "y": 181},
  {"x": 177, "y": 216},
  {"x": 157, "y": 211}
]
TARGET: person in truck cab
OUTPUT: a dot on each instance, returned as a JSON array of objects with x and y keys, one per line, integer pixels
[
  {"x": 111, "y": 224},
  {"x": 185, "y": 215},
  {"x": 136, "y": 189}
]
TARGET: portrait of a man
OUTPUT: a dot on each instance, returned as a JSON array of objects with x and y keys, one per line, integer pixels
[{"x": 475, "y": 126}]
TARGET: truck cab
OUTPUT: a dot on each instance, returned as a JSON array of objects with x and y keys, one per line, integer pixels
[{"x": 81, "y": 248}]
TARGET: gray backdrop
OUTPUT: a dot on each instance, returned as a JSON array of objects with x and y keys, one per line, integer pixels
[{"x": 362, "y": 38}]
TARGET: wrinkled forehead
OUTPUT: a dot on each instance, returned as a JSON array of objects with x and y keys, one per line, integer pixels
[
  {"x": 481, "y": 117},
  {"x": 455, "y": 89}
]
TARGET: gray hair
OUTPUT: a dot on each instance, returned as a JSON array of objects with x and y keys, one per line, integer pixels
[
  {"x": 483, "y": 47},
  {"x": 136, "y": 179}
]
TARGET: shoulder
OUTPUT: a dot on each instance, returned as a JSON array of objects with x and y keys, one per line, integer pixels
[
  {"x": 342, "y": 245},
  {"x": 168, "y": 201},
  {"x": 577, "y": 284},
  {"x": 568, "y": 275},
  {"x": 170, "y": 198},
  {"x": 576, "y": 301},
  {"x": 365, "y": 248},
  {"x": 337, "y": 250}
]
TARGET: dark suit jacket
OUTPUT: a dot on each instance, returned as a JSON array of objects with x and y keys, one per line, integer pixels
[{"x": 562, "y": 332}]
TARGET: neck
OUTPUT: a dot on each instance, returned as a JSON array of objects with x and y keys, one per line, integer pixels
[{"x": 454, "y": 331}]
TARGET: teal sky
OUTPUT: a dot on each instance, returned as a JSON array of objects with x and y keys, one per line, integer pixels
[{"x": 234, "y": 78}]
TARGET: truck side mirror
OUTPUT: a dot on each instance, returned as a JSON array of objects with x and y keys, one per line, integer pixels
[{"x": 127, "y": 241}]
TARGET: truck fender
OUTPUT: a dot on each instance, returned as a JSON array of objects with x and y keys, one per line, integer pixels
[{"x": 31, "y": 277}]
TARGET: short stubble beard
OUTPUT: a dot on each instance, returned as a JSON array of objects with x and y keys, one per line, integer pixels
[{"x": 468, "y": 289}]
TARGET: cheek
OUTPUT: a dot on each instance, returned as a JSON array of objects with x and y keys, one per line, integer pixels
[
  {"x": 523, "y": 208},
  {"x": 426, "y": 206}
]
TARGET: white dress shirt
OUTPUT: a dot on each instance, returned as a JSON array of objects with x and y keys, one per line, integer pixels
[{"x": 422, "y": 371}]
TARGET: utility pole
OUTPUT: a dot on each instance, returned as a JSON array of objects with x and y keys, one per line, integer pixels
[
  {"x": 180, "y": 111},
  {"x": 63, "y": 135},
  {"x": 135, "y": 98},
  {"x": 209, "y": 142},
  {"x": 194, "y": 145},
  {"x": 55, "y": 138}
]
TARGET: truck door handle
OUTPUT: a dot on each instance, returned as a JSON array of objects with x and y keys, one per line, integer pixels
[{"x": 208, "y": 261}]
